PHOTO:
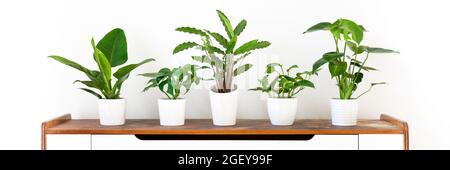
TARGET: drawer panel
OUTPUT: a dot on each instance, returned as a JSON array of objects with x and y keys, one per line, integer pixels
[
  {"x": 381, "y": 142},
  {"x": 118, "y": 142},
  {"x": 68, "y": 142}
]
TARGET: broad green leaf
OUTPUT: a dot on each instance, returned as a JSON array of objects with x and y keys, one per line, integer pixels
[
  {"x": 337, "y": 68},
  {"x": 240, "y": 27},
  {"x": 220, "y": 39},
  {"x": 305, "y": 83},
  {"x": 318, "y": 27},
  {"x": 348, "y": 26},
  {"x": 379, "y": 50},
  {"x": 366, "y": 68},
  {"x": 358, "y": 77},
  {"x": 118, "y": 85},
  {"x": 202, "y": 59},
  {"x": 270, "y": 68},
  {"x": 71, "y": 64},
  {"x": 104, "y": 67},
  {"x": 86, "y": 83},
  {"x": 184, "y": 46},
  {"x": 331, "y": 56},
  {"x": 191, "y": 30},
  {"x": 151, "y": 75},
  {"x": 114, "y": 46},
  {"x": 92, "y": 92},
  {"x": 251, "y": 45},
  {"x": 319, "y": 63},
  {"x": 291, "y": 67},
  {"x": 242, "y": 69},
  {"x": 127, "y": 69},
  {"x": 213, "y": 49},
  {"x": 226, "y": 24}
]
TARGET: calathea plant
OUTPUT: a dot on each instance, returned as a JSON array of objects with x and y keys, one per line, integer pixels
[
  {"x": 111, "y": 51},
  {"x": 225, "y": 61},
  {"x": 344, "y": 66},
  {"x": 284, "y": 83},
  {"x": 172, "y": 81}
]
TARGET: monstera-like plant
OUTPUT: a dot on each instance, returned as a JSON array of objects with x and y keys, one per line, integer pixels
[
  {"x": 225, "y": 57},
  {"x": 282, "y": 85},
  {"x": 111, "y": 51},
  {"x": 173, "y": 82},
  {"x": 346, "y": 64}
]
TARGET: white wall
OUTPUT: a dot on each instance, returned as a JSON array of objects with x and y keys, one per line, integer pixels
[{"x": 35, "y": 88}]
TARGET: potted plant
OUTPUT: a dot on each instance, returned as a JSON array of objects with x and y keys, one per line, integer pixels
[
  {"x": 346, "y": 67},
  {"x": 171, "y": 82},
  {"x": 226, "y": 63},
  {"x": 284, "y": 85},
  {"x": 110, "y": 52}
]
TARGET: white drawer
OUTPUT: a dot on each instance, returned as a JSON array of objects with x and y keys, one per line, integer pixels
[
  {"x": 381, "y": 142},
  {"x": 68, "y": 142},
  {"x": 131, "y": 142}
]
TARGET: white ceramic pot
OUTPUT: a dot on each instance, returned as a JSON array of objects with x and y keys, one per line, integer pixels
[
  {"x": 171, "y": 112},
  {"x": 282, "y": 111},
  {"x": 224, "y": 107},
  {"x": 112, "y": 111},
  {"x": 344, "y": 112}
]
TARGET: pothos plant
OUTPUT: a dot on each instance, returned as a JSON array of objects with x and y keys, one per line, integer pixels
[
  {"x": 225, "y": 61},
  {"x": 344, "y": 66},
  {"x": 284, "y": 83},
  {"x": 172, "y": 81},
  {"x": 111, "y": 51}
]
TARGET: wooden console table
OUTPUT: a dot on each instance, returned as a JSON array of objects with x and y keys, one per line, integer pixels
[{"x": 204, "y": 127}]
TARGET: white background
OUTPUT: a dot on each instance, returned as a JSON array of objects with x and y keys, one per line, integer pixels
[{"x": 35, "y": 88}]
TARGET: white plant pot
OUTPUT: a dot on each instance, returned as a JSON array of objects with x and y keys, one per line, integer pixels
[
  {"x": 171, "y": 112},
  {"x": 282, "y": 111},
  {"x": 344, "y": 112},
  {"x": 224, "y": 107},
  {"x": 112, "y": 111}
]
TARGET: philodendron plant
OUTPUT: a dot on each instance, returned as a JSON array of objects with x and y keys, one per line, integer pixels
[
  {"x": 110, "y": 52},
  {"x": 344, "y": 66},
  {"x": 172, "y": 81},
  {"x": 284, "y": 83},
  {"x": 226, "y": 62}
]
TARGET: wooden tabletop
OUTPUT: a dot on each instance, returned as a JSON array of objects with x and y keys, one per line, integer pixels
[{"x": 66, "y": 125}]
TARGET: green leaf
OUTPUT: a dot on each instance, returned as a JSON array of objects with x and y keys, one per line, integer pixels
[
  {"x": 251, "y": 45},
  {"x": 327, "y": 57},
  {"x": 291, "y": 67},
  {"x": 92, "y": 92},
  {"x": 358, "y": 77},
  {"x": 379, "y": 50},
  {"x": 214, "y": 49},
  {"x": 348, "y": 26},
  {"x": 127, "y": 69},
  {"x": 319, "y": 63},
  {"x": 86, "y": 83},
  {"x": 152, "y": 75},
  {"x": 71, "y": 64},
  {"x": 184, "y": 46},
  {"x": 114, "y": 46},
  {"x": 270, "y": 68},
  {"x": 240, "y": 27},
  {"x": 242, "y": 69},
  {"x": 202, "y": 59},
  {"x": 104, "y": 67},
  {"x": 318, "y": 27},
  {"x": 118, "y": 85},
  {"x": 337, "y": 68},
  {"x": 191, "y": 30},
  {"x": 366, "y": 68},
  {"x": 305, "y": 83},
  {"x": 226, "y": 24},
  {"x": 219, "y": 38}
]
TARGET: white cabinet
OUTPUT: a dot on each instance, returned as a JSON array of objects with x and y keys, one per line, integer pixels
[
  {"x": 381, "y": 141},
  {"x": 334, "y": 142},
  {"x": 68, "y": 142}
]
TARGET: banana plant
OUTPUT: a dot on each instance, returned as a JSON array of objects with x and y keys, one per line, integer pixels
[
  {"x": 344, "y": 66},
  {"x": 111, "y": 51},
  {"x": 226, "y": 61},
  {"x": 284, "y": 83},
  {"x": 171, "y": 81}
]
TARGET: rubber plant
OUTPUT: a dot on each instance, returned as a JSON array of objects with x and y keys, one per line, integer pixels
[
  {"x": 172, "y": 81},
  {"x": 226, "y": 61},
  {"x": 284, "y": 83},
  {"x": 348, "y": 61},
  {"x": 111, "y": 51}
]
